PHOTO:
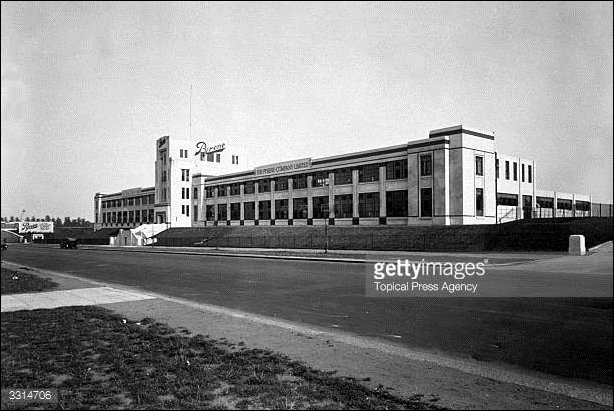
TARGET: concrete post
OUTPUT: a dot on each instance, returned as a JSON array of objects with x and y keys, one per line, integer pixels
[{"x": 577, "y": 245}]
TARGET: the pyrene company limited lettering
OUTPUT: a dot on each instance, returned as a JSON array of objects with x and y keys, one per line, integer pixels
[
  {"x": 203, "y": 148},
  {"x": 36, "y": 227},
  {"x": 296, "y": 165}
]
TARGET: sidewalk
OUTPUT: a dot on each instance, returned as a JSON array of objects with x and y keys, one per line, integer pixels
[{"x": 456, "y": 383}]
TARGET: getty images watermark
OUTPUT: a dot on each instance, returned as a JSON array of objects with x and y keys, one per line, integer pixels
[{"x": 404, "y": 278}]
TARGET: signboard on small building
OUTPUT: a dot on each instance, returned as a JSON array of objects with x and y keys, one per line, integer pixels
[{"x": 36, "y": 227}]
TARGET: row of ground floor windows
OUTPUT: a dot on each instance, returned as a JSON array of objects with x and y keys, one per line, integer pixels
[{"x": 368, "y": 206}]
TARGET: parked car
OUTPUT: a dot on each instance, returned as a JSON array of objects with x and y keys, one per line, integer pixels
[{"x": 69, "y": 243}]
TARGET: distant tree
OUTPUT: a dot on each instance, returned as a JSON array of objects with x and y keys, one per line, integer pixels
[
  {"x": 57, "y": 222},
  {"x": 11, "y": 219},
  {"x": 66, "y": 222},
  {"x": 47, "y": 218},
  {"x": 27, "y": 219}
]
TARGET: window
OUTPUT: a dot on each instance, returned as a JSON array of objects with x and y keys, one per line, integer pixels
[
  {"x": 185, "y": 175},
  {"x": 218, "y": 157},
  {"x": 368, "y": 173},
  {"x": 479, "y": 166},
  {"x": 130, "y": 216},
  {"x": 507, "y": 199},
  {"x": 396, "y": 203},
  {"x": 235, "y": 189},
  {"x": 426, "y": 165},
  {"x": 210, "y": 192},
  {"x": 264, "y": 186},
  {"x": 235, "y": 211},
  {"x": 131, "y": 201},
  {"x": 182, "y": 193},
  {"x": 507, "y": 170},
  {"x": 396, "y": 170},
  {"x": 187, "y": 210},
  {"x": 150, "y": 215},
  {"x": 299, "y": 181},
  {"x": 152, "y": 199},
  {"x": 210, "y": 157},
  {"x": 281, "y": 184},
  {"x": 281, "y": 209},
  {"x": 299, "y": 208},
  {"x": 210, "y": 213},
  {"x": 497, "y": 168},
  {"x": 249, "y": 210},
  {"x": 264, "y": 210},
  {"x": 125, "y": 217},
  {"x": 515, "y": 171},
  {"x": 163, "y": 176},
  {"x": 320, "y": 207},
  {"x": 235, "y": 159},
  {"x": 479, "y": 202},
  {"x": 563, "y": 204},
  {"x": 583, "y": 205},
  {"x": 195, "y": 196},
  {"x": 221, "y": 191},
  {"x": 137, "y": 216},
  {"x": 222, "y": 212},
  {"x": 195, "y": 213},
  {"x": 320, "y": 179},
  {"x": 368, "y": 204},
  {"x": 522, "y": 173},
  {"x": 248, "y": 187},
  {"x": 343, "y": 176},
  {"x": 144, "y": 216},
  {"x": 343, "y": 206},
  {"x": 530, "y": 174},
  {"x": 545, "y": 202},
  {"x": 426, "y": 202}
]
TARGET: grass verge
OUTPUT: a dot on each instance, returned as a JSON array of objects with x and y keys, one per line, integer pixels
[
  {"x": 96, "y": 359},
  {"x": 13, "y": 282}
]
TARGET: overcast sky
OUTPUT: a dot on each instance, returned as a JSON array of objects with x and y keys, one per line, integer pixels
[{"x": 88, "y": 87}]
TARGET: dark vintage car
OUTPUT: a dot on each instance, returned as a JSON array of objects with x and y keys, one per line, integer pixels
[{"x": 69, "y": 243}]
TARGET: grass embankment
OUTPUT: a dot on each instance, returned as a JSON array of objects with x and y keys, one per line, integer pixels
[{"x": 13, "y": 282}]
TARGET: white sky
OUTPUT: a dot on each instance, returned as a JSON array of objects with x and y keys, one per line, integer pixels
[{"x": 88, "y": 87}]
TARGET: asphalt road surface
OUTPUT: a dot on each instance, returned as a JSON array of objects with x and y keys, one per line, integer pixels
[{"x": 571, "y": 337}]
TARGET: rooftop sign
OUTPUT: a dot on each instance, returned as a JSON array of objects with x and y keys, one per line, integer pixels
[
  {"x": 288, "y": 166},
  {"x": 202, "y": 148}
]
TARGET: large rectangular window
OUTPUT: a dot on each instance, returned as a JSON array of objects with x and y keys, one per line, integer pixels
[
  {"x": 249, "y": 210},
  {"x": 264, "y": 210},
  {"x": 210, "y": 213},
  {"x": 530, "y": 174},
  {"x": 144, "y": 216},
  {"x": 281, "y": 184},
  {"x": 222, "y": 212},
  {"x": 497, "y": 168},
  {"x": 185, "y": 175},
  {"x": 368, "y": 205},
  {"x": 320, "y": 179},
  {"x": 563, "y": 204},
  {"x": 396, "y": 170},
  {"x": 221, "y": 191},
  {"x": 426, "y": 165},
  {"x": 195, "y": 214},
  {"x": 299, "y": 208},
  {"x": 343, "y": 176},
  {"x": 248, "y": 187},
  {"x": 515, "y": 171},
  {"x": 479, "y": 202},
  {"x": 320, "y": 207},
  {"x": 210, "y": 192},
  {"x": 507, "y": 170},
  {"x": 235, "y": 211},
  {"x": 396, "y": 203},
  {"x": 507, "y": 199},
  {"x": 299, "y": 182},
  {"x": 235, "y": 189},
  {"x": 195, "y": 196},
  {"x": 479, "y": 166},
  {"x": 150, "y": 215},
  {"x": 343, "y": 206},
  {"x": 522, "y": 173},
  {"x": 583, "y": 205},
  {"x": 426, "y": 202},
  {"x": 281, "y": 209},
  {"x": 368, "y": 173},
  {"x": 545, "y": 202},
  {"x": 264, "y": 186}
]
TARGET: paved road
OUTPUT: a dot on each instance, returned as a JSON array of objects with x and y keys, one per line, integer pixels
[{"x": 571, "y": 337}]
